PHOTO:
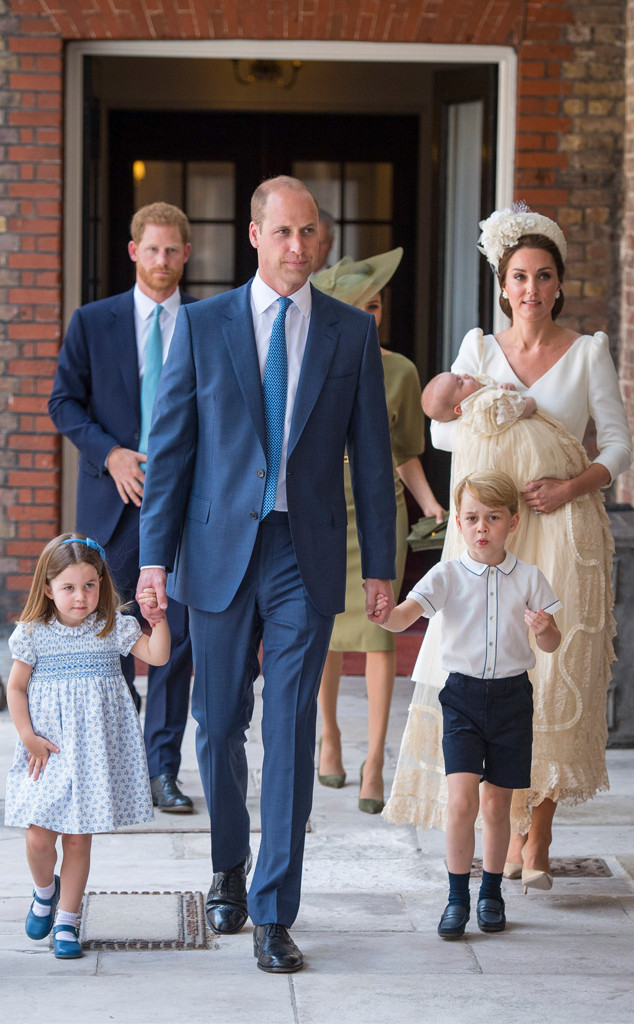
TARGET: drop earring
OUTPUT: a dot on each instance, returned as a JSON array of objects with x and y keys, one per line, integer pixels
[
  {"x": 557, "y": 294},
  {"x": 505, "y": 294}
]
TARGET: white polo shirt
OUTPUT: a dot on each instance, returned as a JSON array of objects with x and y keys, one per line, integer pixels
[{"x": 483, "y": 632}]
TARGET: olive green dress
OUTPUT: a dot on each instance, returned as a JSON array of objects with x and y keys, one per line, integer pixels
[{"x": 352, "y": 631}]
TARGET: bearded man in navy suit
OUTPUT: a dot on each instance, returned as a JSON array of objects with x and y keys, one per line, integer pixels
[
  {"x": 96, "y": 403},
  {"x": 251, "y": 575}
]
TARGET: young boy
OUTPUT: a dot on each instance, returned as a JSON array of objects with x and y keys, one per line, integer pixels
[{"x": 489, "y": 600}]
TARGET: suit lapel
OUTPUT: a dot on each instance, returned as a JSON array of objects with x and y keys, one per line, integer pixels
[
  {"x": 240, "y": 340},
  {"x": 320, "y": 348},
  {"x": 124, "y": 348}
]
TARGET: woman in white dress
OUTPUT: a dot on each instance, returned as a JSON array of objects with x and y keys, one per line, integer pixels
[{"x": 572, "y": 378}]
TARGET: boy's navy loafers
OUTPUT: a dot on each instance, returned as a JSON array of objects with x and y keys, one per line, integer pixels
[
  {"x": 453, "y": 921},
  {"x": 490, "y": 914}
]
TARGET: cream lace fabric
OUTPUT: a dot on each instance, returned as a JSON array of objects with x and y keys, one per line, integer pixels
[{"x": 573, "y": 547}]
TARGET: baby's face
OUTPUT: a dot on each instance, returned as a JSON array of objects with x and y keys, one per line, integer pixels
[{"x": 453, "y": 388}]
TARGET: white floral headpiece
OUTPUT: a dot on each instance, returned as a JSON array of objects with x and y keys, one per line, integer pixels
[{"x": 505, "y": 227}]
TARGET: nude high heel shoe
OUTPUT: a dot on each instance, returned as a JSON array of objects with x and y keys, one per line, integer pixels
[
  {"x": 512, "y": 870},
  {"x": 536, "y": 879}
]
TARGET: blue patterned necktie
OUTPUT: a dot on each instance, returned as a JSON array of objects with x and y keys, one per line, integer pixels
[
  {"x": 274, "y": 388},
  {"x": 151, "y": 374}
]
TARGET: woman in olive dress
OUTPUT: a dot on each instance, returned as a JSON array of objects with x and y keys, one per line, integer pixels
[{"x": 359, "y": 284}]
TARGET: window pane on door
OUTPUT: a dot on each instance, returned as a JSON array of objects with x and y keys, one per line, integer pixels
[
  {"x": 157, "y": 181},
  {"x": 367, "y": 191},
  {"x": 210, "y": 190},
  {"x": 212, "y": 255}
]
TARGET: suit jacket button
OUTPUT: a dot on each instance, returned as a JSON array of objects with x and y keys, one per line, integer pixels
[
  {"x": 261, "y": 473},
  {"x": 253, "y": 515}
]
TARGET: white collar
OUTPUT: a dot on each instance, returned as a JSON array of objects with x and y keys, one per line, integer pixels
[
  {"x": 145, "y": 306},
  {"x": 478, "y": 568},
  {"x": 264, "y": 296}
]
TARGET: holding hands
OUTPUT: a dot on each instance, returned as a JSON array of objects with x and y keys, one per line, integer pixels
[{"x": 151, "y": 596}]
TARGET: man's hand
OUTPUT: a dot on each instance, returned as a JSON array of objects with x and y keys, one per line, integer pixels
[
  {"x": 153, "y": 580},
  {"x": 378, "y": 611},
  {"x": 124, "y": 466}
]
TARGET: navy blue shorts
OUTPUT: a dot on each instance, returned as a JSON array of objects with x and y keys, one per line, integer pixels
[{"x": 488, "y": 728}]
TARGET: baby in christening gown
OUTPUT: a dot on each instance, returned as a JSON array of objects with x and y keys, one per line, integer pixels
[{"x": 500, "y": 429}]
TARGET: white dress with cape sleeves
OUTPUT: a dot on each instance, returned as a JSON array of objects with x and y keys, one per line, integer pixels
[{"x": 572, "y": 546}]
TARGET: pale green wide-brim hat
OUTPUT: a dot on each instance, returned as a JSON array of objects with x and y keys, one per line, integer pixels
[{"x": 357, "y": 281}]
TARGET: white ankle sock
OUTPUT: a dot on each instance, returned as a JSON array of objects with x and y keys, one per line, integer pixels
[
  {"x": 65, "y": 917},
  {"x": 44, "y": 893}
]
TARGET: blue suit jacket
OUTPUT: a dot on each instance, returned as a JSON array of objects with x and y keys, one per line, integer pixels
[
  {"x": 96, "y": 402},
  {"x": 206, "y": 460}
]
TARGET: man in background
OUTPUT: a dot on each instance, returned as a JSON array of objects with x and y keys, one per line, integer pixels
[{"x": 102, "y": 399}]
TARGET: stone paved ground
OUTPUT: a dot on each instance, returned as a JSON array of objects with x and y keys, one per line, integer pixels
[{"x": 372, "y": 897}]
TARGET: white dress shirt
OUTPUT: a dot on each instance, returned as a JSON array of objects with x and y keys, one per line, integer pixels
[
  {"x": 483, "y": 632},
  {"x": 264, "y": 308},
  {"x": 144, "y": 308}
]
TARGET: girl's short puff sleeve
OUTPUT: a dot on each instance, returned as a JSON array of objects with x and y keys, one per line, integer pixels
[
  {"x": 21, "y": 644},
  {"x": 127, "y": 631}
]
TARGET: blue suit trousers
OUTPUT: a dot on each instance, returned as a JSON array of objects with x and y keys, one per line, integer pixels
[{"x": 272, "y": 607}]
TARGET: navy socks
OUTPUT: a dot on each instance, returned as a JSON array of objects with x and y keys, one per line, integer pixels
[
  {"x": 491, "y": 887},
  {"x": 459, "y": 889}
]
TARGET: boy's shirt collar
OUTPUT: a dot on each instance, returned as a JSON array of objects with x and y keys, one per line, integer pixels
[{"x": 478, "y": 568}]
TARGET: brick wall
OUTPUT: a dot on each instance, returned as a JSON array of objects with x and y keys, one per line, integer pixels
[
  {"x": 626, "y": 489},
  {"x": 30, "y": 294},
  {"x": 568, "y": 165}
]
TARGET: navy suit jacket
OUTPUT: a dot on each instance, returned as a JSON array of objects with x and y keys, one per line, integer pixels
[
  {"x": 206, "y": 465},
  {"x": 96, "y": 402}
]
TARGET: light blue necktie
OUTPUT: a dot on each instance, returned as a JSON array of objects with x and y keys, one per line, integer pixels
[
  {"x": 151, "y": 374},
  {"x": 274, "y": 388}
]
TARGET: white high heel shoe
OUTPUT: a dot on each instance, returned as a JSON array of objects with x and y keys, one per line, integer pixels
[
  {"x": 536, "y": 879},
  {"x": 512, "y": 870}
]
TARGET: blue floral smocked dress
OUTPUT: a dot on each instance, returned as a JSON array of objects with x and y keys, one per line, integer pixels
[{"x": 78, "y": 699}]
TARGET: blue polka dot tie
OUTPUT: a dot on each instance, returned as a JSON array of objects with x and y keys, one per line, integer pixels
[
  {"x": 151, "y": 374},
  {"x": 274, "y": 388}
]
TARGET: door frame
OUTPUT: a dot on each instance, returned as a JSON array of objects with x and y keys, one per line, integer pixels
[
  {"x": 251, "y": 49},
  {"x": 417, "y": 53}
]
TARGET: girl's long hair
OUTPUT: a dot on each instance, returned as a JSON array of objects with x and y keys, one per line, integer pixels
[{"x": 55, "y": 558}]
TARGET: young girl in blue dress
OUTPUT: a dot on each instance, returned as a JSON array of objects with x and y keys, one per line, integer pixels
[{"x": 79, "y": 765}]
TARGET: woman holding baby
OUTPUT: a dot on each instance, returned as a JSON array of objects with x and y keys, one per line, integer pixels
[{"x": 563, "y": 529}]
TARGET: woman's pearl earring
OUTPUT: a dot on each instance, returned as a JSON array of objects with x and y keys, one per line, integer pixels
[
  {"x": 557, "y": 294},
  {"x": 505, "y": 294}
]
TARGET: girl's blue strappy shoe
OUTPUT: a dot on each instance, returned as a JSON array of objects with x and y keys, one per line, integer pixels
[
  {"x": 39, "y": 927},
  {"x": 66, "y": 949}
]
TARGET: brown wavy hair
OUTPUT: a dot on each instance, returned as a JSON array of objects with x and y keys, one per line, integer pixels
[{"x": 55, "y": 558}]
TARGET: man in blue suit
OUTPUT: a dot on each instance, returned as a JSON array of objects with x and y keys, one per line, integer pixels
[
  {"x": 96, "y": 402},
  {"x": 251, "y": 575}
]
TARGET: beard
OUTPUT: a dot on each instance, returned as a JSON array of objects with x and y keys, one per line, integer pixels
[{"x": 165, "y": 281}]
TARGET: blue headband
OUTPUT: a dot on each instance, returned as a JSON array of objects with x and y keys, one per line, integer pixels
[{"x": 89, "y": 542}]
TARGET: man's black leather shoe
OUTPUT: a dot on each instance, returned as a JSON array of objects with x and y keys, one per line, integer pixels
[
  {"x": 490, "y": 914},
  {"x": 167, "y": 796},
  {"x": 275, "y": 950},
  {"x": 226, "y": 903},
  {"x": 453, "y": 921}
]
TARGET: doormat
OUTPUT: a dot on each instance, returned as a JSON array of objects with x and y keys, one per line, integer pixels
[
  {"x": 568, "y": 867},
  {"x": 143, "y": 920}
]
